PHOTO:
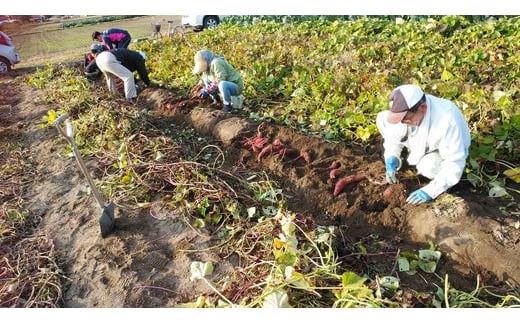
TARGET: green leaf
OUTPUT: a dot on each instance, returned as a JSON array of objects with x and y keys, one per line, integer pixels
[
  {"x": 351, "y": 279},
  {"x": 127, "y": 179},
  {"x": 427, "y": 266},
  {"x": 446, "y": 75},
  {"x": 474, "y": 179},
  {"x": 513, "y": 174},
  {"x": 269, "y": 211},
  {"x": 216, "y": 218},
  {"x": 429, "y": 255},
  {"x": 251, "y": 211},
  {"x": 159, "y": 156},
  {"x": 389, "y": 282},
  {"x": 474, "y": 164},
  {"x": 413, "y": 267},
  {"x": 287, "y": 259},
  {"x": 277, "y": 299},
  {"x": 428, "y": 260},
  {"x": 323, "y": 234},
  {"x": 497, "y": 191},
  {"x": 199, "y": 223},
  {"x": 200, "y": 269},
  {"x": 409, "y": 255},
  {"x": 497, "y": 95},
  {"x": 362, "y": 249},
  {"x": 403, "y": 264},
  {"x": 363, "y": 133},
  {"x": 296, "y": 279}
]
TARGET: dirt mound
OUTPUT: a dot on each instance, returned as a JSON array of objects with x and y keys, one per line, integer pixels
[{"x": 146, "y": 261}]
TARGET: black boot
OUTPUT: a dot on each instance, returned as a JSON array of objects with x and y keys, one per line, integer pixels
[{"x": 227, "y": 108}]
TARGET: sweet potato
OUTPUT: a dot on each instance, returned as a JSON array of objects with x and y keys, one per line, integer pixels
[
  {"x": 334, "y": 173},
  {"x": 194, "y": 92},
  {"x": 266, "y": 150},
  {"x": 277, "y": 142},
  {"x": 335, "y": 164},
  {"x": 395, "y": 194},
  {"x": 286, "y": 152},
  {"x": 255, "y": 143},
  {"x": 305, "y": 155},
  {"x": 340, "y": 185}
]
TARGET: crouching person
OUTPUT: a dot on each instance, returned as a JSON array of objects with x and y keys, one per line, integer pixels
[
  {"x": 121, "y": 63},
  {"x": 218, "y": 76},
  {"x": 92, "y": 72},
  {"x": 435, "y": 134}
]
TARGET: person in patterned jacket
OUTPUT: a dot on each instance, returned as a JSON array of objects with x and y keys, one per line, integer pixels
[{"x": 113, "y": 38}]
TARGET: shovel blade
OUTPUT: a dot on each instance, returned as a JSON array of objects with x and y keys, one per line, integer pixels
[{"x": 107, "y": 220}]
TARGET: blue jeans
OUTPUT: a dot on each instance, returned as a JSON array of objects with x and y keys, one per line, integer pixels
[{"x": 227, "y": 90}]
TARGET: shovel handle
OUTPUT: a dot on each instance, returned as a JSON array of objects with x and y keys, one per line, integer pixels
[
  {"x": 70, "y": 139},
  {"x": 60, "y": 119}
]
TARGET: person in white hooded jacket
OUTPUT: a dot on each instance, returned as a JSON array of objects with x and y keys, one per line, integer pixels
[{"x": 435, "y": 133}]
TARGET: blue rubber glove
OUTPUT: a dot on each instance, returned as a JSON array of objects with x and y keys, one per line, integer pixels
[
  {"x": 203, "y": 94},
  {"x": 418, "y": 197},
  {"x": 391, "y": 164}
]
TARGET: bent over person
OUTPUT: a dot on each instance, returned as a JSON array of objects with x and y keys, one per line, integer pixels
[
  {"x": 92, "y": 72},
  {"x": 122, "y": 63},
  {"x": 435, "y": 134},
  {"x": 113, "y": 38}
]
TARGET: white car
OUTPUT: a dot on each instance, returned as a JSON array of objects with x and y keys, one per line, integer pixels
[
  {"x": 8, "y": 54},
  {"x": 201, "y": 22}
]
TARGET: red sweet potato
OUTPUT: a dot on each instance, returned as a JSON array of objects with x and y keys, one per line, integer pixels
[
  {"x": 277, "y": 144},
  {"x": 334, "y": 172},
  {"x": 335, "y": 164},
  {"x": 255, "y": 143},
  {"x": 340, "y": 185},
  {"x": 395, "y": 194},
  {"x": 287, "y": 152},
  {"x": 306, "y": 155},
  {"x": 266, "y": 150}
]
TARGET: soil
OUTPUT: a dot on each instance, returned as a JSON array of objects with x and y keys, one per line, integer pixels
[{"x": 144, "y": 262}]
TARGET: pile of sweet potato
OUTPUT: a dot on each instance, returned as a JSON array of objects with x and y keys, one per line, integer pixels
[{"x": 264, "y": 147}]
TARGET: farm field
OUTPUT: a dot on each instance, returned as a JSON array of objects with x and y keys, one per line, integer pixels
[
  {"x": 48, "y": 43},
  {"x": 202, "y": 220}
]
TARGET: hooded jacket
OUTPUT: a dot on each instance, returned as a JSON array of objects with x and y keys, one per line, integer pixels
[{"x": 220, "y": 70}]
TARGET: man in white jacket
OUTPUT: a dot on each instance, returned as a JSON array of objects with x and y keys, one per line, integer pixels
[{"x": 435, "y": 133}]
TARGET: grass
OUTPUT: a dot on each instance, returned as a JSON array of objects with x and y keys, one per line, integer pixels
[{"x": 44, "y": 43}]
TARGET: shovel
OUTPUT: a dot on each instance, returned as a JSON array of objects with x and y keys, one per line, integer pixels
[{"x": 107, "y": 220}]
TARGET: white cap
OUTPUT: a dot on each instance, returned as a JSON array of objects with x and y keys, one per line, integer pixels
[{"x": 402, "y": 99}]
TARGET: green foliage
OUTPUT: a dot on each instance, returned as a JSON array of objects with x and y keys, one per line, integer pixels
[
  {"x": 63, "y": 86},
  {"x": 354, "y": 292},
  {"x": 42, "y": 76},
  {"x": 426, "y": 260},
  {"x": 92, "y": 21},
  {"x": 449, "y": 297},
  {"x": 332, "y": 75},
  {"x": 322, "y": 77}
]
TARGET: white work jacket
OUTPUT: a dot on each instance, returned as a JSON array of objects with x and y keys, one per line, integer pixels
[{"x": 443, "y": 129}]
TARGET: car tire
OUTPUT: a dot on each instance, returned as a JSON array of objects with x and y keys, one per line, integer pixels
[
  {"x": 5, "y": 66},
  {"x": 210, "y": 22}
]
